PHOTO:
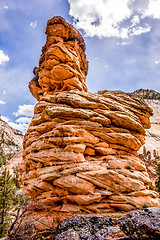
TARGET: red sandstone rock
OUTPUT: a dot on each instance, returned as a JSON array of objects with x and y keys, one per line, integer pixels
[
  {"x": 80, "y": 151},
  {"x": 63, "y": 65}
]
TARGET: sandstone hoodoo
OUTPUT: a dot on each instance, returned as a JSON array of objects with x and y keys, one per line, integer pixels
[
  {"x": 80, "y": 151},
  {"x": 63, "y": 65}
]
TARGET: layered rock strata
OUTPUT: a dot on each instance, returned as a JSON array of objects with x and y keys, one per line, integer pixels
[
  {"x": 63, "y": 65},
  {"x": 80, "y": 151}
]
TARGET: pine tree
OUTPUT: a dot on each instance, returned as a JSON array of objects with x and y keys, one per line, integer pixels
[
  {"x": 154, "y": 153},
  {"x": 149, "y": 155},
  {"x": 7, "y": 197},
  {"x": 144, "y": 151},
  {"x": 158, "y": 179},
  {"x": 16, "y": 177},
  {"x": 2, "y": 155}
]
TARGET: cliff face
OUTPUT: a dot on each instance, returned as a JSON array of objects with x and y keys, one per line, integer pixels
[
  {"x": 10, "y": 140},
  {"x": 152, "y": 141},
  {"x": 80, "y": 151},
  {"x": 153, "y": 134},
  {"x": 152, "y": 98}
]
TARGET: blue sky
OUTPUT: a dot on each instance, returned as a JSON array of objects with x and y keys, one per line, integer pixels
[{"x": 122, "y": 40}]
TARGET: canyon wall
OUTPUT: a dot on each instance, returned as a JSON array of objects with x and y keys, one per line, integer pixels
[{"x": 10, "y": 140}]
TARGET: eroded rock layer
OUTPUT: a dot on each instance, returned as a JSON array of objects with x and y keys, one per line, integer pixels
[
  {"x": 63, "y": 65},
  {"x": 80, "y": 151}
]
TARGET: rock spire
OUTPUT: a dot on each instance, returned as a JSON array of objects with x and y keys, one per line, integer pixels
[
  {"x": 80, "y": 150},
  {"x": 63, "y": 65}
]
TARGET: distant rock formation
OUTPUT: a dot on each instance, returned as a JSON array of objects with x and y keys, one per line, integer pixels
[
  {"x": 80, "y": 151},
  {"x": 150, "y": 151},
  {"x": 152, "y": 98},
  {"x": 146, "y": 94},
  {"x": 10, "y": 140},
  {"x": 153, "y": 134}
]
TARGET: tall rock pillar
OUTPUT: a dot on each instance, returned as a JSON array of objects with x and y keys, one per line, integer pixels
[{"x": 80, "y": 150}]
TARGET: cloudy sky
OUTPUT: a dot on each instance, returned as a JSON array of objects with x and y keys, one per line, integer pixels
[{"x": 122, "y": 38}]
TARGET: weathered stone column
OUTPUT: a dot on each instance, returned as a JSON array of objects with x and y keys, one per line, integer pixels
[{"x": 80, "y": 150}]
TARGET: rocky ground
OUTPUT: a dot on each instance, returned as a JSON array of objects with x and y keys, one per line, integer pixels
[
  {"x": 138, "y": 224},
  {"x": 141, "y": 224}
]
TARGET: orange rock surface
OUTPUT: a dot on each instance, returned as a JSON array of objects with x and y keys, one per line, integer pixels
[
  {"x": 80, "y": 151},
  {"x": 63, "y": 65}
]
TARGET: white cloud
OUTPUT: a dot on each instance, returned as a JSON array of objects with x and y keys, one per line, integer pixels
[
  {"x": 13, "y": 125},
  {"x": 21, "y": 123},
  {"x": 139, "y": 30},
  {"x": 5, "y": 7},
  {"x": 105, "y": 66},
  {"x": 123, "y": 43},
  {"x": 3, "y": 58},
  {"x": 2, "y": 102},
  {"x": 25, "y": 110},
  {"x": 112, "y": 18},
  {"x": 157, "y": 61},
  {"x": 135, "y": 20},
  {"x": 153, "y": 9},
  {"x": 4, "y": 92},
  {"x": 5, "y": 119},
  {"x": 23, "y": 120},
  {"x": 99, "y": 17},
  {"x": 33, "y": 24},
  {"x": 17, "y": 126}
]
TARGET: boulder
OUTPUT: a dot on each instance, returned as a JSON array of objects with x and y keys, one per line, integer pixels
[
  {"x": 85, "y": 227},
  {"x": 142, "y": 223}
]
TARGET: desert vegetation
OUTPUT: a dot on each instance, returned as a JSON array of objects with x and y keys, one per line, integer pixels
[
  {"x": 146, "y": 94},
  {"x": 152, "y": 159},
  {"x": 12, "y": 199}
]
